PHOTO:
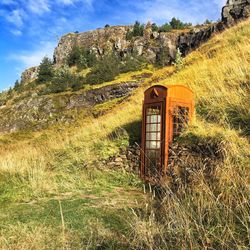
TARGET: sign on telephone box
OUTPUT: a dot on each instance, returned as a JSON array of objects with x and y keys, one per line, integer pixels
[{"x": 166, "y": 112}]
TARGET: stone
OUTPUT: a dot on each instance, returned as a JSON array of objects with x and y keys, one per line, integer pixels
[
  {"x": 235, "y": 10},
  {"x": 29, "y": 74}
]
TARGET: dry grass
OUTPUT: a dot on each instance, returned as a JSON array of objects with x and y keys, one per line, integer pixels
[{"x": 208, "y": 215}]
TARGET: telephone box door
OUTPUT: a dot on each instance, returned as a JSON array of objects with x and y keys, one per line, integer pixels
[{"x": 153, "y": 144}]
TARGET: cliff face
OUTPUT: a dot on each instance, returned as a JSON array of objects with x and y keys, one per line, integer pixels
[{"x": 114, "y": 39}]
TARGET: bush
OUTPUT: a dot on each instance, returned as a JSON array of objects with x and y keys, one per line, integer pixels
[
  {"x": 45, "y": 72},
  {"x": 81, "y": 58},
  {"x": 105, "y": 70},
  {"x": 166, "y": 27},
  {"x": 138, "y": 30},
  {"x": 177, "y": 24},
  {"x": 132, "y": 63},
  {"x": 17, "y": 86},
  {"x": 154, "y": 27},
  {"x": 62, "y": 81},
  {"x": 162, "y": 57},
  {"x": 178, "y": 60}
]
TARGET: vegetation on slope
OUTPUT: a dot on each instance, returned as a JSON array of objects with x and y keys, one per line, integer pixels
[{"x": 46, "y": 176}]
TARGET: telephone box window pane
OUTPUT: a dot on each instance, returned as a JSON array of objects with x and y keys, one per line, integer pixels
[
  {"x": 153, "y": 145},
  {"x": 153, "y": 128},
  {"x": 148, "y": 119},
  {"x": 154, "y": 118},
  {"x": 158, "y": 137},
  {"x": 151, "y": 136}
]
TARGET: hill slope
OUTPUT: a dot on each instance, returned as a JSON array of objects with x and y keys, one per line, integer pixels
[{"x": 56, "y": 190}]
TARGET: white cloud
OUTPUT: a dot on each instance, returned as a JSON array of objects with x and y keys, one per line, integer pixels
[
  {"x": 38, "y": 6},
  {"x": 71, "y": 2},
  {"x": 16, "y": 17},
  {"x": 66, "y": 2},
  {"x": 28, "y": 59},
  {"x": 16, "y": 32}
]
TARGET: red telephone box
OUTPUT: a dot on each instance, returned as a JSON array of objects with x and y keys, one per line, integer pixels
[{"x": 166, "y": 112}]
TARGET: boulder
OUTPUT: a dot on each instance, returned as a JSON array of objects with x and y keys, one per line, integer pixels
[{"x": 235, "y": 10}]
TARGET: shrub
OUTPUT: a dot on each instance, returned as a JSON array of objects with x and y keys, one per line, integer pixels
[
  {"x": 162, "y": 57},
  {"x": 138, "y": 29},
  {"x": 132, "y": 63},
  {"x": 166, "y": 27},
  {"x": 177, "y": 24},
  {"x": 45, "y": 72},
  {"x": 17, "y": 85},
  {"x": 154, "y": 27},
  {"x": 105, "y": 70},
  {"x": 77, "y": 82},
  {"x": 81, "y": 58},
  {"x": 178, "y": 60}
]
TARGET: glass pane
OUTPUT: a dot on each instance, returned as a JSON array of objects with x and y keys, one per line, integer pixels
[
  {"x": 158, "y": 118},
  {"x": 158, "y": 127},
  {"x": 158, "y": 137},
  {"x": 153, "y": 144},
  {"x": 148, "y": 119},
  {"x": 151, "y": 136},
  {"x": 154, "y": 118}
]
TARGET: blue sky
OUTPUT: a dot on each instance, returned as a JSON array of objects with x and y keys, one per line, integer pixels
[{"x": 30, "y": 29}]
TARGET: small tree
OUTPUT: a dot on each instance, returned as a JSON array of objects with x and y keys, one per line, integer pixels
[
  {"x": 132, "y": 62},
  {"x": 162, "y": 57},
  {"x": 17, "y": 85},
  {"x": 166, "y": 27},
  {"x": 138, "y": 29},
  {"x": 81, "y": 58},
  {"x": 207, "y": 22},
  {"x": 178, "y": 60},
  {"x": 154, "y": 27},
  {"x": 178, "y": 24},
  {"x": 74, "y": 56},
  {"x": 45, "y": 72},
  {"x": 105, "y": 70}
]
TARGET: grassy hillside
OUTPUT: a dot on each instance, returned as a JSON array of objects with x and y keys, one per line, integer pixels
[{"x": 56, "y": 193}]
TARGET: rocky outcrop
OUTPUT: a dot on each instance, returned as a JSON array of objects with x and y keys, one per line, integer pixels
[
  {"x": 193, "y": 39},
  {"x": 235, "y": 10},
  {"x": 101, "y": 41},
  {"x": 29, "y": 75},
  {"x": 37, "y": 112}
]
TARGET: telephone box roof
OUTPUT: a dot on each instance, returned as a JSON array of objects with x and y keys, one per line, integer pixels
[{"x": 175, "y": 91}]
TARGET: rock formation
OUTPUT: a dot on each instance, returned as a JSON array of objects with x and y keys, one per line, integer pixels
[
  {"x": 101, "y": 41},
  {"x": 37, "y": 112},
  {"x": 29, "y": 74},
  {"x": 235, "y": 10}
]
